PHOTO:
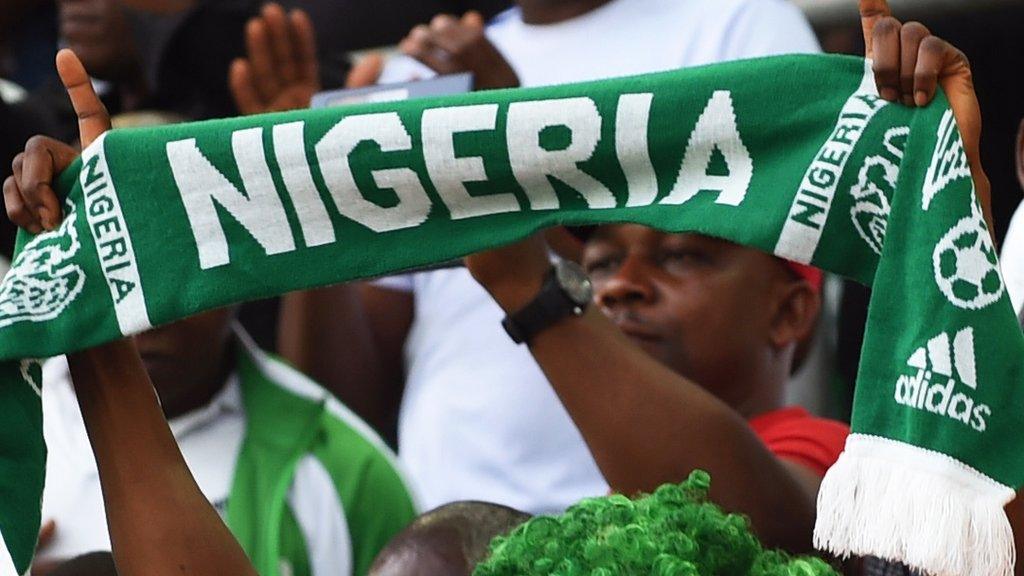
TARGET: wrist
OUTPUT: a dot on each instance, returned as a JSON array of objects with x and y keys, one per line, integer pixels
[{"x": 515, "y": 293}]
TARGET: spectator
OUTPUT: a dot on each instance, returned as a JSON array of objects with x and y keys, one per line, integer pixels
[
  {"x": 526, "y": 454},
  {"x": 160, "y": 522},
  {"x": 715, "y": 328},
  {"x": 447, "y": 541},
  {"x": 246, "y": 424}
]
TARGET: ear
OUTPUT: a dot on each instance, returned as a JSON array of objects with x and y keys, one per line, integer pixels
[
  {"x": 796, "y": 314},
  {"x": 1020, "y": 154}
]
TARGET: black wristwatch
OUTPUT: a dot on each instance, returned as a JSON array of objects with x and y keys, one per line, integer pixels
[{"x": 566, "y": 292}]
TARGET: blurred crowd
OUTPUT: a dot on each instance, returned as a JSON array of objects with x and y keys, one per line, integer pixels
[{"x": 437, "y": 431}]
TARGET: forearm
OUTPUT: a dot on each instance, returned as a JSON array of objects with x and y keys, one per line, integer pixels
[
  {"x": 329, "y": 334},
  {"x": 646, "y": 425},
  {"x": 159, "y": 521}
]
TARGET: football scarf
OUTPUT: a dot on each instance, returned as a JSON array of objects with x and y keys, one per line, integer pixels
[{"x": 793, "y": 155}]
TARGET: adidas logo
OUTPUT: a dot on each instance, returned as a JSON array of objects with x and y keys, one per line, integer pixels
[{"x": 933, "y": 387}]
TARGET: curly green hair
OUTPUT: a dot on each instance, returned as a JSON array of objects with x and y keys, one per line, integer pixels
[{"x": 674, "y": 532}]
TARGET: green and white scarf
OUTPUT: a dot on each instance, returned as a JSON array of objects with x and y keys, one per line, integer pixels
[{"x": 794, "y": 155}]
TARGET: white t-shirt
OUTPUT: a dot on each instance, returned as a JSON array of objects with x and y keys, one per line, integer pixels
[
  {"x": 478, "y": 419},
  {"x": 209, "y": 438}
]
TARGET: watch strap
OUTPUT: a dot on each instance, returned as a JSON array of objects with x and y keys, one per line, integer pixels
[{"x": 551, "y": 305}]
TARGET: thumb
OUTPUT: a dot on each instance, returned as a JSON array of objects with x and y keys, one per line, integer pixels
[
  {"x": 93, "y": 119},
  {"x": 366, "y": 71}
]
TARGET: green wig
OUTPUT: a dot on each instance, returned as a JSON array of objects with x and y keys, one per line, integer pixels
[{"x": 674, "y": 532}]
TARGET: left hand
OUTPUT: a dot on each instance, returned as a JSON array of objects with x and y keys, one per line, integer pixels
[
  {"x": 450, "y": 45},
  {"x": 512, "y": 274},
  {"x": 910, "y": 64}
]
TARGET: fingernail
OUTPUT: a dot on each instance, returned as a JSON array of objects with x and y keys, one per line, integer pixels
[
  {"x": 888, "y": 94},
  {"x": 921, "y": 98},
  {"x": 47, "y": 219},
  {"x": 908, "y": 100}
]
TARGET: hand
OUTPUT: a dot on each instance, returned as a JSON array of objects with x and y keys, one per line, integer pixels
[
  {"x": 282, "y": 71},
  {"x": 450, "y": 45},
  {"x": 28, "y": 194},
  {"x": 909, "y": 65},
  {"x": 512, "y": 274}
]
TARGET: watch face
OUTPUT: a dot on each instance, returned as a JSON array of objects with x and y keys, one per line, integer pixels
[{"x": 574, "y": 282}]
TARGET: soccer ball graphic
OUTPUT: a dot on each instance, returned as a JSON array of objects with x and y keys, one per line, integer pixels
[{"x": 965, "y": 265}]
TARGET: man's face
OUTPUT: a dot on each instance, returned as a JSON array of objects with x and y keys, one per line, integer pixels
[
  {"x": 98, "y": 33},
  {"x": 182, "y": 356},
  {"x": 701, "y": 306}
]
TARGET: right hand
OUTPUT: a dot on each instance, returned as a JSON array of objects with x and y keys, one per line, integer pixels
[
  {"x": 450, "y": 45},
  {"x": 29, "y": 196}
]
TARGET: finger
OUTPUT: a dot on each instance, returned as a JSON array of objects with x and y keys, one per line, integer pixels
[
  {"x": 931, "y": 56},
  {"x": 264, "y": 72},
  {"x": 304, "y": 41},
  {"x": 243, "y": 88},
  {"x": 366, "y": 71},
  {"x": 17, "y": 211},
  {"x": 46, "y": 533},
  {"x": 453, "y": 38},
  {"x": 871, "y": 11},
  {"x": 280, "y": 42},
  {"x": 886, "y": 64},
  {"x": 419, "y": 44},
  {"x": 43, "y": 160},
  {"x": 911, "y": 35},
  {"x": 93, "y": 119},
  {"x": 443, "y": 22},
  {"x": 473, "y": 19}
]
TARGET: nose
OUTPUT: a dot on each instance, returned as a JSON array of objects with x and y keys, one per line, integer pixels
[{"x": 631, "y": 284}]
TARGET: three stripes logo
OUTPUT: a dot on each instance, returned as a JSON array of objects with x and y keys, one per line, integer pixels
[{"x": 940, "y": 366}]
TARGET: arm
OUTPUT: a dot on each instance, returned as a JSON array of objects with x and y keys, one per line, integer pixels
[
  {"x": 159, "y": 521},
  {"x": 350, "y": 338},
  {"x": 645, "y": 424}
]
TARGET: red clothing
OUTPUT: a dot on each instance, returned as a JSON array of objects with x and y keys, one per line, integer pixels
[{"x": 794, "y": 434}]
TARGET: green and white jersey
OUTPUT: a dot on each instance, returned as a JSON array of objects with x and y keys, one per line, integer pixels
[{"x": 305, "y": 485}]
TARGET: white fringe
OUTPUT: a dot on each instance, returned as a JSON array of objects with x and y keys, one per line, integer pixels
[{"x": 906, "y": 504}]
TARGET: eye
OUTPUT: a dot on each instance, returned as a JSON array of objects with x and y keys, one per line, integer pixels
[
  {"x": 601, "y": 265},
  {"x": 682, "y": 260}
]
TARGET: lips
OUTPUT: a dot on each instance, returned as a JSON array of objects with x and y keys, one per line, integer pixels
[{"x": 637, "y": 330}]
